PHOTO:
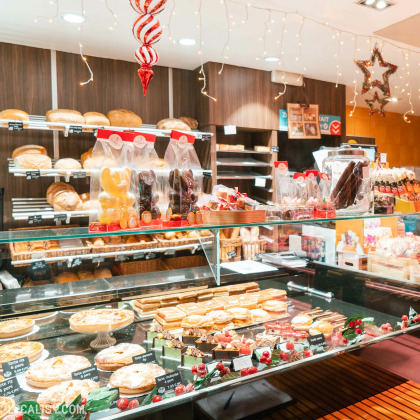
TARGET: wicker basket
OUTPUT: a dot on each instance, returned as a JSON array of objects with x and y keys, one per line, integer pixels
[
  {"x": 251, "y": 248},
  {"x": 230, "y": 250},
  {"x": 186, "y": 262},
  {"x": 227, "y": 217},
  {"x": 122, "y": 246},
  {"x": 167, "y": 243},
  {"x": 143, "y": 266}
]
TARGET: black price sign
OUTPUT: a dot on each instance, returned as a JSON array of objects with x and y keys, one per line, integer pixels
[
  {"x": 317, "y": 340},
  {"x": 16, "y": 126},
  {"x": 75, "y": 129},
  {"x": 145, "y": 358},
  {"x": 33, "y": 174},
  {"x": 98, "y": 260},
  {"x": 39, "y": 265},
  {"x": 60, "y": 217},
  {"x": 76, "y": 262},
  {"x": 15, "y": 367},
  {"x": 88, "y": 373},
  {"x": 138, "y": 256},
  {"x": 150, "y": 256},
  {"x": 275, "y": 149},
  {"x": 232, "y": 254},
  {"x": 79, "y": 174},
  {"x": 114, "y": 403},
  {"x": 168, "y": 382},
  {"x": 34, "y": 219},
  {"x": 277, "y": 346},
  {"x": 206, "y": 137},
  {"x": 10, "y": 387}
]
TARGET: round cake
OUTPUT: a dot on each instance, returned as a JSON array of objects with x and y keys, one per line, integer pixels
[
  {"x": 16, "y": 327},
  {"x": 321, "y": 327},
  {"x": 302, "y": 322},
  {"x": 7, "y": 406},
  {"x": 137, "y": 378},
  {"x": 116, "y": 357},
  {"x": 101, "y": 320},
  {"x": 259, "y": 315},
  {"x": 66, "y": 392},
  {"x": 53, "y": 371},
  {"x": 31, "y": 349}
]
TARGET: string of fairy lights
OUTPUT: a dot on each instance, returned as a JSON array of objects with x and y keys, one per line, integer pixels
[{"x": 236, "y": 20}]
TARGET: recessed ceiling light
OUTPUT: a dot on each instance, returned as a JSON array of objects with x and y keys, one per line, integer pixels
[
  {"x": 369, "y": 2},
  {"x": 381, "y": 4},
  {"x": 376, "y": 4},
  {"x": 187, "y": 41},
  {"x": 272, "y": 59},
  {"x": 73, "y": 17}
]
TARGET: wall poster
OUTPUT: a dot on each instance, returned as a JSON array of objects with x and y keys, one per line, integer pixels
[{"x": 302, "y": 122}]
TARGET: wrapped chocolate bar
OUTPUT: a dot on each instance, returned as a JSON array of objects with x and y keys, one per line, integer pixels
[
  {"x": 112, "y": 183},
  {"x": 183, "y": 183}
]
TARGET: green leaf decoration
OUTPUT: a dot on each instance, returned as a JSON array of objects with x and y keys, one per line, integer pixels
[
  {"x": 100, "y": 399},
  {"x": 149, "y": 398},
  {"x": 352, "y": 318},
  {"x": 230, "y": 376},
  {"x": 349, "y": 334},
  {"x": 31, "y": 410}
]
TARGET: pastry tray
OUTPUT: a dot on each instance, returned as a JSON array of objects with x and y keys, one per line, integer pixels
[
  {"x": 153, "y": 243},
  {"x": 167, "y": 243}
]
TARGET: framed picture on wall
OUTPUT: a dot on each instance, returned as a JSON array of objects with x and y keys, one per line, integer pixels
[{"x": 303, "y": 122}]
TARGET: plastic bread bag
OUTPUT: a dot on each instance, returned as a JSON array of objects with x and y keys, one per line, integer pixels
[
  {"x": 182, "y": 181},
  {"x": 146, "y": 175},
  {"x": 312, "y": 187},
  {"x": 324, "y": 192},
  {"x": 232, "y": 199},
  {"x": 283, "y": 182},
  {"x": 299, "y": 189},
  {"x": 113, "y": 184}
]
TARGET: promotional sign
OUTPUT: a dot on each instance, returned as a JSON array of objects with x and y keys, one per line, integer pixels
[
  {"x": 303, "y": 122},
  {"x": 283, "y": 120}
]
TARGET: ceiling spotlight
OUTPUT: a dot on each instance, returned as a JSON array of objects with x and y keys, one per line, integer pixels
[
  {"x": 73, "y": 17},
  {"x": 187, "y": 41},
  {"x": 381, "y": 4},
  {"x": 369, "y": 2},
  {"x": 376, "y": 4},
  {"x": 393, "y": 99},
  {"x": 272, "y": 59}
]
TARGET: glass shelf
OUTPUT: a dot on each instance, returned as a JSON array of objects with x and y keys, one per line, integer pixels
[{"x": 83, "y": 232}]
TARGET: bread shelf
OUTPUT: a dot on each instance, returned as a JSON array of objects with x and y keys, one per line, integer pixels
[
  {"x": 38, "y": 122},
  {"x": 249, "y": 151},
  {"x": 241, "y": 162},
  {"x": 241, "y": 175},
  {"x": 32, "y": 208}
]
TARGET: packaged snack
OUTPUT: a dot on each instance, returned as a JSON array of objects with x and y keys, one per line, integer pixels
[
  {"x": 183, "y": 182},
  {"x": 311, "y": 187},
  {"x": 324, "y": 208},
  {"x": 112, "y": 182},
  {"x": 283, "y": 182}
]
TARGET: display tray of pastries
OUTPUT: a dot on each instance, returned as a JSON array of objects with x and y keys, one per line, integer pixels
[
  {"x": 7, "y": 406},
  {"x": 97, "y": 320},
  {"x": 16, "y": 327},
  {"x": 66, "y": 392},
  {"x": 55, "y": 370},
  {"x": 118, "y": 243},
  {"x": 137, "y": 378},
  {"x": 30, "y": 349},
  {"x": 168, "y": 239},
  {"x": 118, "y": 356}
]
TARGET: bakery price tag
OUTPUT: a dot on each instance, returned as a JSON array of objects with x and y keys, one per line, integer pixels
[
  {"x": 383, "y": 157},
  {"x": 10, "y": 387},
  {"x": 145, "y": 358},
  {"x": 99, "y": 259},
  {"x": 114, "y": 403},
  {"x": 317, "y": 340},
  {"x": 230, "y": 129},
  {"x": 76, "y": 262},
  {"x": 88, "y": 373},
  {"x": 33, "y": 174},
  {"x": 75, "y": 129},
  {"x": 34, "y": 219},
  {"x": 206, "y": 137},
  {"x": 120, "y": 257},
  {"x": 258, "y": 352},
  {"x": 211, "y": 366},
  {"x": 168, "y": 382},
  {"x": 150, "y": 256},
  {"x": 39, "y": 265},
  {"x": 260, "y": 182},
  {"x": 60, "y": 217},
  {"x": 15, "y": 367},
  {"x": 138, "y": 256},
  {"x": 170, "y": 252},
  {"x": 241, "y": 362},
  {"x": 15, "y": 125},
  {"x": 275, "y": 149},
  {"x": 79, "y": 174},
  {"x": 232, "y": 254}
]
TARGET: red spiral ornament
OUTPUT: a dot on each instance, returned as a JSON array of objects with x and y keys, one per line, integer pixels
[
  {"x": 146, "y": 55},
  {"x": 147, "y": 29},
  {"x": 144, "y": 7}
]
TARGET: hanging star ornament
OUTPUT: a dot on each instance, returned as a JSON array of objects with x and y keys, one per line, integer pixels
[
  {"x": 367, "y": 83},
  {"x": 382, "y": 101}
]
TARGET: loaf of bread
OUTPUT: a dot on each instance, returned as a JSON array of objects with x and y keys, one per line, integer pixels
[
  {"x": 191, "y": 122},
  {"x": 86, "y": 155},
  {"x": 85, "y": 275},
  {"x": 56, "y": 187},
  {"x": 31, "y": 149},
  {"x": 67, "y": 163},
  {"x": 102, "y": 273},
  {"x": 68, "y": 116},
  {"x": 95, "y": 118},
  {"x": 85, "y": 197},
  {"x": 32, "y": 161},
  {"x": 172, "y": 124},
  {"x": 63, "y": 197},
  {"x": 20, "y": 247},
  {"x": 261, "y": 148},
  {"x": 66, "y": 277},
  {"x": 124, "y": 118},
  {"x": 99, "y": 162},
  {"x": 14, "y": 114}
]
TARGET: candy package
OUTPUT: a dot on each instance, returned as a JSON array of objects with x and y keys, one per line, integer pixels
[
  {"x": 225, "y": 198},
  {"x": 324, "y": 208},
  {"x": 283, "y": 182}
]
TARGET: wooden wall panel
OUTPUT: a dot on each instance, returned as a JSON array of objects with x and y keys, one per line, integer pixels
[
  {"x": 184, "y": 93},
  {"x": 25, "y": 83}
]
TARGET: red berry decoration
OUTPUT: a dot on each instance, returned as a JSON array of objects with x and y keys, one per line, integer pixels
[
  {"x": 180, "y": 389},
  {"x": 225, "y": 371},
  {"x": 269, "y": 361},
  {"x": 358, "y": 331},
  {"x": 404, "y": 318},
  {"x": 266, "y": 353},
  {"x": 202, "y": 374},
  {"x": 122, "y": 404},
  {"x": 263, "y": 359},
  {"x": 308, "y": 353},
  {"x": 252, "y": 370},
  {"x": 220, "y": 366},
  {"x": 18, "y": 415},
  {"x": 358, "y": 321},
  {"x": 345, "y": 341},
  {"x": 201, "y": 367},
  {"x": 133, "y": 404},
  {"x": 290, "y": 345},
  {"x": 84, "y": 401},
  {"x": 189, "y": 388},
  {"x": 194, "y": 370},
  {"x": 244, "y": 372},
  {"x": 352, "y": 324},
  {"x": 284, "y": 356},
  {"x": 157, "y": 399}
]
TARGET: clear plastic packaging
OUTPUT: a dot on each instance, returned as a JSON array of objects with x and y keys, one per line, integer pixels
[{"x": 283, "y": 182}]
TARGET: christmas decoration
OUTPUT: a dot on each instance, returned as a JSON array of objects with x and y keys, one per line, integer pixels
[
  {"x": 382, "y": 101},
  {"x": 147, "y": 30}
]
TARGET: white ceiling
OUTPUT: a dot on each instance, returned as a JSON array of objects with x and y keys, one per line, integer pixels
[{"x": 246, "y": 46}]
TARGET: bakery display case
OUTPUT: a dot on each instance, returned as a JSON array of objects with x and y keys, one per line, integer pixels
[{"x": 294, "y": 292}]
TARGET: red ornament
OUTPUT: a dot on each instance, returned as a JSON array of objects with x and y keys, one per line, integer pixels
[
  {"x": 84, "y": 401},
  {"x": 194, "y": 370},
  {"x": 157, "y": 399},
  {"x": 263, "y": 359},
  {"x": 345, "y": 341},
  {"x": 290, "y": 345},
  {"x": 146, "y": 55},
  {"x": 252, "y": 370},
  {"x": 220, "y": 366},
  {"x": 148, "y": 6},
  {"x": 146, "y": 75},
  {"x": 133, "y": 404},
  {"x": 358, "y": 331},
  {"x": 180, "y": 389},
  {"x": 147, "y": 29},
  {"x": 122, "y": 404},
  {"x": 352, "y": 324},
  {"x": 284, "y": 356},
  {"x": 244, "y": 372},
  {"x": 358, "y": 321},
  {"x": 18, "y": 415},
  {"x": 201, "y": 367},
  {"x": 266, "y": 353},
  {"x": 269, "y": 360},
  {"x": 404, "y": 318},
  {"x": 308, "y": 353}
]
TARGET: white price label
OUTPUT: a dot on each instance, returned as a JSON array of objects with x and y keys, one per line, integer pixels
[
  {"x": 260, "y": 350},
  {"x": 241, "y": 362},
  {"x": 260, "y": 182},
  {"x": 230, "y": 129},
  {"x": 383, "y": 157}
]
